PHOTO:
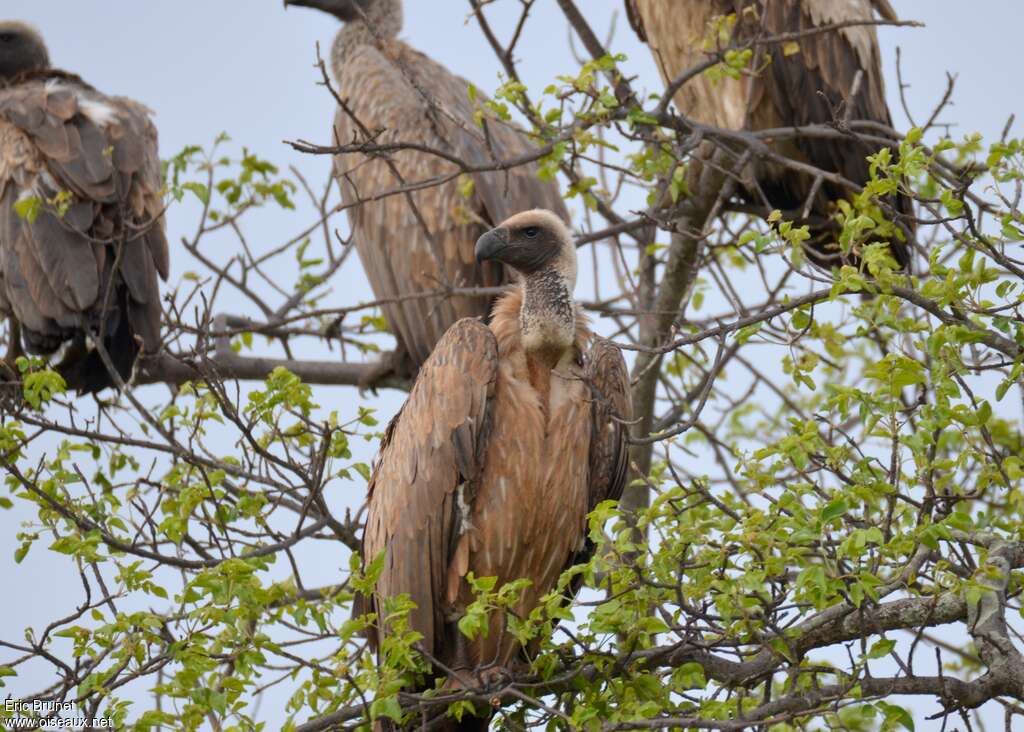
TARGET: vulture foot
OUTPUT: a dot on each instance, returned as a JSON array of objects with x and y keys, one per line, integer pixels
[{"x": 493, "y": 677}]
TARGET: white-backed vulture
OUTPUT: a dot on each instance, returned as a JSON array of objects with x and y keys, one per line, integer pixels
[
  {"x": 81, "y": 216},
  {"x": 423, "y": 241},
  {"x": 513, "y": 432},
  {"x": 812, "y": 82}
]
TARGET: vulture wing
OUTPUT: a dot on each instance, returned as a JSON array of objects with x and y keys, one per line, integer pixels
[
  {"x": 676, "y": 33},
  {"x": 423, "y": 240},
  {"x": 612, "y": 409},
  {"x": 885, "y": 10},
  {"x": 808, "y": 87},
  {"x": 498, "y": 194},
  {"x": 608, "y": 378},
  {"x": 818, "y": 83},
  {"x": 81, "y": 227},
  {"x": 430, "y": 462}
]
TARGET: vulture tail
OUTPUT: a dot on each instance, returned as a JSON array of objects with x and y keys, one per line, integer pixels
[
  {"x": 822, "y": 248},
  {"x": 84, "y": 370}
]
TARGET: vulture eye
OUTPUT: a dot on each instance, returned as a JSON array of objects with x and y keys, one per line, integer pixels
[
  {"x": 7, "y": 37},
  {"x": 531, "y": 232}
]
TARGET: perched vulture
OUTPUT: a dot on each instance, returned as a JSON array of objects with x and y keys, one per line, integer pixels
[
  {"x": 81, "y": 217},
  {"x": 420, "y": 241},
  {"x": 812, "y": 82},
  {"x": 512, "y": 433}
]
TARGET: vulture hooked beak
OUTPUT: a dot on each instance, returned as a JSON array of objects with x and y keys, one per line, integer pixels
[
  {"x": 490, "y": 245},
  {"x": 327, "y": 6},
  {"x": 344, "y": 10}
]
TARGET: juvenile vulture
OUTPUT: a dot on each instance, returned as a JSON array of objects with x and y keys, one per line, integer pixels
[
  {"x": 81, "y": 217},
  {"x": 512, "y": 433},
  {"x": 813, "y": 82},
  {"x": 421, "y": 241}
]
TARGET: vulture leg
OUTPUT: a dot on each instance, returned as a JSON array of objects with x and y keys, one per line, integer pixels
[
  {"x": 14, "y": 351},
  {"x": 10, "y": 389}
]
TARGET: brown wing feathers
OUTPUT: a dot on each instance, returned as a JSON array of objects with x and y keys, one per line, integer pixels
[
  {"x": 608, "y": 379},
  {"x": 90, "y": 258},
  {"x": 433, "y": 447},
  {"x": 817, "y": 84},
  {"x": 812, "y": 86}
]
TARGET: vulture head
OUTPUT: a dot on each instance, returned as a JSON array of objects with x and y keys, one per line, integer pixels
[
  {"x": 538, "y": 247},
  {"x": 531, "y": 242},
  {"x": 348, "y": 11},
  {"x": 21, "y": 49}
]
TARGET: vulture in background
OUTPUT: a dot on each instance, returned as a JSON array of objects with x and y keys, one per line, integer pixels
[
  {"x": 810, "y": 84},
  {"x": 513, "y": 432},
  {"x": 421, "y": 241},
  {"x": 81, "y": 217}
]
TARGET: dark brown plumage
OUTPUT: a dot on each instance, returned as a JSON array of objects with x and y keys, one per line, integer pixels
[
  {"x": 810, "y": 85},
  {"x": 423, "y": 241},
  {"x": 513, "y": 431},
  {"x": 81, "y": 216}
]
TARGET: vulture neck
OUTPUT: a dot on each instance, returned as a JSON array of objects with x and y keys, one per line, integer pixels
[
  {"x": 383, "y": 22},
  {"x": 547, "y": 318}
]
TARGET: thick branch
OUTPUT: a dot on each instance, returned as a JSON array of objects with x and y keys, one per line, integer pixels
[{"x": 165, "y": 368}]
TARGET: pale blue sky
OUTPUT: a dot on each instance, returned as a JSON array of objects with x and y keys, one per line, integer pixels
[{"x": 246, "y": 67}]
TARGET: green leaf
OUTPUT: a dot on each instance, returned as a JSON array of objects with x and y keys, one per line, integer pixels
[
  {"x": 28, "y": 208},
  {"x": 801, "y": 320},
  {"x": 473, "y": 623},
  {"x": 984, "y": 413},
  {"x": 881, "y": 648},
  {"x": 897, "y": 714},
  {"x": 200, "y": 190},
  {"x": 834, "y": 510},
  {"x": 460, "y": 708},
  {"x": 748, "y": 332},
  {"x": 386, "y": 707},
  {"x": 21, "y": 551}
]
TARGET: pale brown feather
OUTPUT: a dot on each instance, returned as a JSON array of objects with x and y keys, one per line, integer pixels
[{"x": 608, "y": 379}]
